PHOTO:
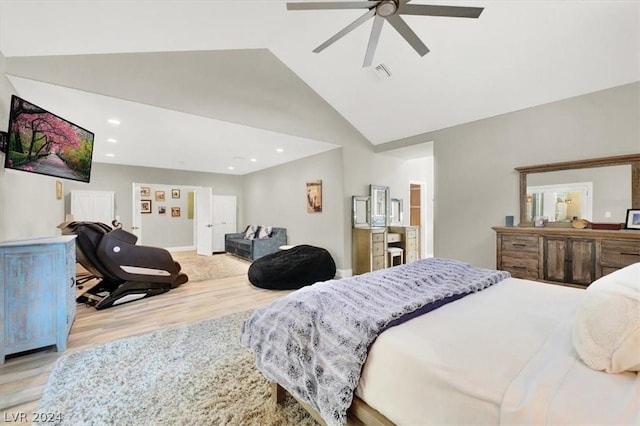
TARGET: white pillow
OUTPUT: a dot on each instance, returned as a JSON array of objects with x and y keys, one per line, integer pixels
[
  {"x": 606, "y": 332},
  {"x": 250, "y": 233},
  {"x": 265, "y": 232}
]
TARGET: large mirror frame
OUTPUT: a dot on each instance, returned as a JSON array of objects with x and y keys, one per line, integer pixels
[{"x": 631, "y": 159}]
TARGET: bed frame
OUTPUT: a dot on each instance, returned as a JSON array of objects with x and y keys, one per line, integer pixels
[{"x": 358, "y": 414}]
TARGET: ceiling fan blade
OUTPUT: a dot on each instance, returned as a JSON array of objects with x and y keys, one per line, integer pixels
[
  {"x": 373, "y": 40},
  {"x": 430, "y": 10},
  {"x": 361, "y": 20},
  {"x": 401, "y": 26},
  {"x": 364, "y": 4}
]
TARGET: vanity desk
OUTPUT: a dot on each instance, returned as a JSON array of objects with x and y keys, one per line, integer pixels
[
  {"x": 378, "y": 230},
  {"x": 369, "y": 246}
]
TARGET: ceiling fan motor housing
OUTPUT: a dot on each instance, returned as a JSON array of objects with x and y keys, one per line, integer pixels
[{"x": 387, "y": 8}]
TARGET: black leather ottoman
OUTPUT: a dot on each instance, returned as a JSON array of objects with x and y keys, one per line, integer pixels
[{"x": 291, "y": 269}]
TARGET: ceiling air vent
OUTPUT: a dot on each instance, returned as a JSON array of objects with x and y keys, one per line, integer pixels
[{"x": 382, "y": 71}]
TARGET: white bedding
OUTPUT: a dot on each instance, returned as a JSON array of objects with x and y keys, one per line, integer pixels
[{"x": 500, "y": 356}]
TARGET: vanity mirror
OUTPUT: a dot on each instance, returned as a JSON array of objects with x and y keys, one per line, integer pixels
[
  {"x": 380, "y": 203},
  {"x": 395, "y": 217},
  {"x": 360, "y": 209},
  {"x": 596, "y": 189}
]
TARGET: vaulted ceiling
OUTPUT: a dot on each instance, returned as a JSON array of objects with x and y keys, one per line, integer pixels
[{"x": 208, "y": 85}]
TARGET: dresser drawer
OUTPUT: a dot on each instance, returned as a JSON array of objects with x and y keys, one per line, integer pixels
[
  {"x": 393, "y": 237},
  {"x": 411, "y": 233},
  {"x": 378, "y": 237},
  {"x": 377, "y": 249},
  {"x": 526, "y": 268},
  {"x": 619, "y": 253},
  {"x": 520, "y": 243},
  {"x": 378, "y": 262}
]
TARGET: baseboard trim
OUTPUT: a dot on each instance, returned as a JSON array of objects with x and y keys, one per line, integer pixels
[
  {"x": 344, "y": 273},
  {"x": 185, "y": 248}
]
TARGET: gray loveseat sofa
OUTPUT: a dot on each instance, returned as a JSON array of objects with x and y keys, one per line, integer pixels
[{"x": 255, "y": 248}]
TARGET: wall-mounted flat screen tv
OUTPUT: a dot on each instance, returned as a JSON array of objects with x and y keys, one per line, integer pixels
[{"x": 41, "y": 142}]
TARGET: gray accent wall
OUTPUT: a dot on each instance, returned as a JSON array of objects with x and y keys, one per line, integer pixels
[
  {"x": 475, "y": 181},
  {"x": 277, "y": 197}
]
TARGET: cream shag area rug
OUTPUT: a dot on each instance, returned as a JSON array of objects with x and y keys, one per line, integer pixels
[
  {"x": 193, "y": 375},
  {"x": 223, "y": 265}
]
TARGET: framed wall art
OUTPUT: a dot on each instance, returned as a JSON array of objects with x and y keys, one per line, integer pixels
[
  {"x": 633, "y": 219},
  {"x": 145, "y": 206},
  {"x": 314, "y": 196}
]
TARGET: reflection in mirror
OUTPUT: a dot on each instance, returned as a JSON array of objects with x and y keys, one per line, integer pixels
[
  {"x": 560, "y": 203},
  {"x": 360, "y": 210},
  {"x": 396, "y": 211},
  {"x": 379, "y": 205},
  {"x": 607, "y": 201}
]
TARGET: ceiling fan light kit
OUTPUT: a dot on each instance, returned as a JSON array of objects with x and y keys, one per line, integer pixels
[{"x": 390, "y": 11}]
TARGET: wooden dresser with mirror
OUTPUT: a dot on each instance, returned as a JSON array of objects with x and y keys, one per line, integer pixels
[{"x": 559, "y": 253}]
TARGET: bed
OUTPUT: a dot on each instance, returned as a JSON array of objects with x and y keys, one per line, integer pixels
[{"x": 510, "y": 351}]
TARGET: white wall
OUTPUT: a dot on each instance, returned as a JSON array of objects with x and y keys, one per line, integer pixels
[
  {"x": 28, "y": 204},
  {"x": 118, "y": 178}
]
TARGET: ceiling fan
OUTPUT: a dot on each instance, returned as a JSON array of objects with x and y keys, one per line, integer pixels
[{"x": 389, "y": 10}]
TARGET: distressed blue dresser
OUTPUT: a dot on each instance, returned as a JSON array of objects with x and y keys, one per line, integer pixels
[{"x": 37, "y": 293}]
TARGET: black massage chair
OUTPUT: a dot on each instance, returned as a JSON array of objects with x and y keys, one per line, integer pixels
[{"x": 127, "y": 272}]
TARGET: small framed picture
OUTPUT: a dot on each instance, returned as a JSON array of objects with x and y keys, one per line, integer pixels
[
  {"x": 175, "y": 211},
  {"x": 633, "y": 219},
  {"x": 159, "y": 195},
  {"x": 175, "y": 193},
  {"x": 162, "y": 209},
  {"x": 145, "y": 191},
  {"x": 314, "y": 196},
  {"x": 145, "y": 206}
]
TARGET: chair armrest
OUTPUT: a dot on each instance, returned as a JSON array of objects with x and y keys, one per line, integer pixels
[
  {"x": 261, "y": 247},
  {"x": 234, "y": 236}
]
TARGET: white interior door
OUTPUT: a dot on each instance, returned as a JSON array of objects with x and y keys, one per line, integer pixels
[
  {"x": 93, "y": 206},
  {"x": 204, "y": 221},
  {"x": 224, "y": 219}
]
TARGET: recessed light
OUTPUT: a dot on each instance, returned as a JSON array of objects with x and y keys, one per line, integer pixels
[
  {"x": 253, "y": 160},
  {"x": 110, "y": 155},
  {"x": 113, "y": 121},
  {"x": 279, "y": 150},
  {"x": 112, "y": 140},
  {"x": 230, "y": 167}
]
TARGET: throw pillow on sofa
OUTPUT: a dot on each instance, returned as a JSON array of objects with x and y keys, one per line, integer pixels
[
  {"x": 265, "y": 232},
  {"x": 250, "y": 232}
]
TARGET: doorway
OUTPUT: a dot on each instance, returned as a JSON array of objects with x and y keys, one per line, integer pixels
[{"x": 415, "y": 213}]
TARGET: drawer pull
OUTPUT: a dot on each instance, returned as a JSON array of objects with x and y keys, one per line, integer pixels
[
  {"x": 519, "y": 245},
  {"x": 519, "y": 267},
  {"x": 629, "y": 254}
]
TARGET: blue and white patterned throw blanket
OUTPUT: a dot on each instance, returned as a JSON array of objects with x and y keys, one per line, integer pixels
[{"x": 314, "y": 341}]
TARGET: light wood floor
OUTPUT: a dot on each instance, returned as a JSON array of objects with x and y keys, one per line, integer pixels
[{"x": 22, "y": 378}]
